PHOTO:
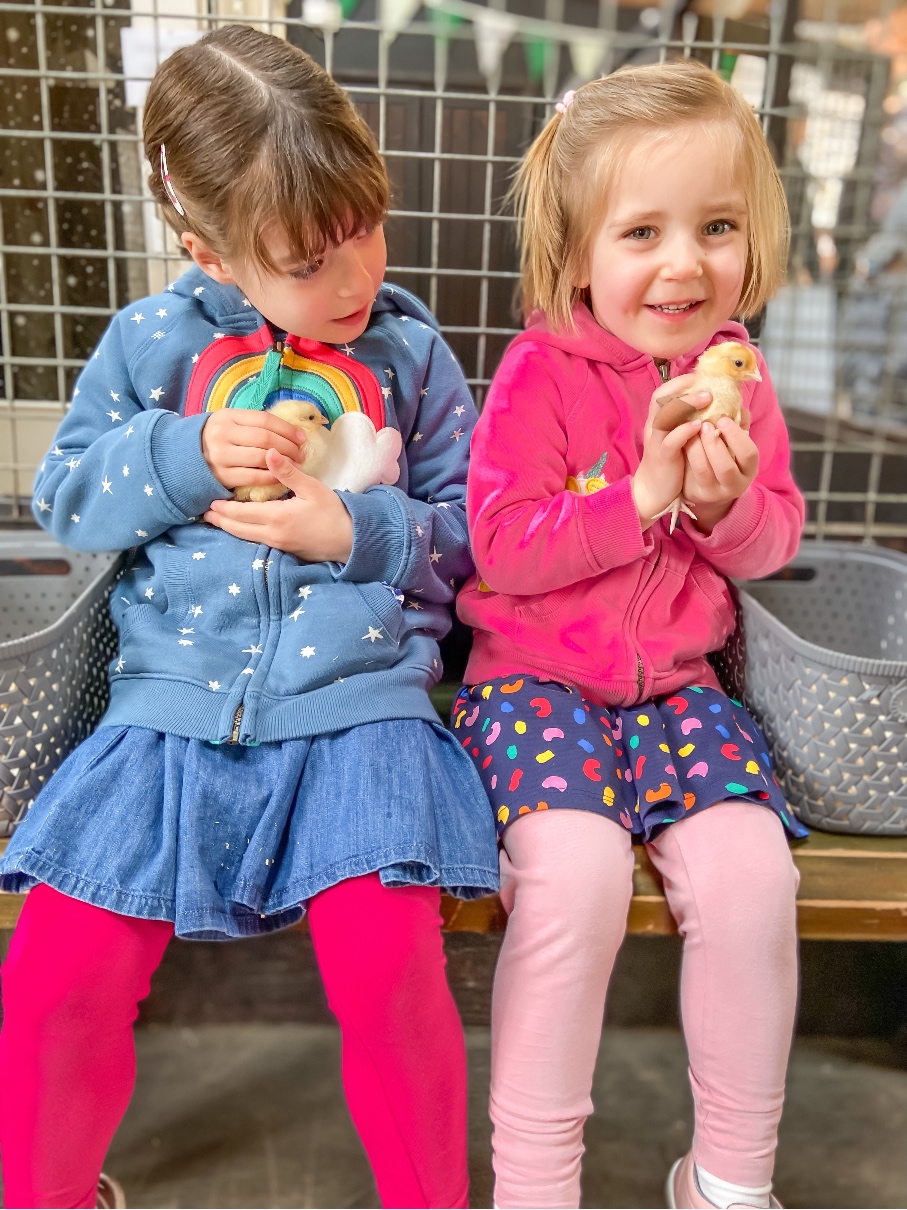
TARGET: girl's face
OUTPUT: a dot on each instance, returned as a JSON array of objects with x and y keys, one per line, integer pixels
[
  {"x": 328, "y": 299},
  {"x": 666, "y": 268}
]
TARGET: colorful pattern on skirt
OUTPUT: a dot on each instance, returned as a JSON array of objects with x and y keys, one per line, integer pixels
[{"x": 539, "y": 745}]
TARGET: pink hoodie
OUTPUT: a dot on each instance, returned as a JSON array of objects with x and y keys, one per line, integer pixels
[{"x": 571, "y": 588}]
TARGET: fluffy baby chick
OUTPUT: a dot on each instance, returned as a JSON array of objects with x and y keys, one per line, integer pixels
[
  {"x": 719, "y": 370},
  {"x": 311, "y": 420}
]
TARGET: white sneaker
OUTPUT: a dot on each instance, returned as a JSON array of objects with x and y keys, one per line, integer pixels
[{"x": 110, "y": 1194}]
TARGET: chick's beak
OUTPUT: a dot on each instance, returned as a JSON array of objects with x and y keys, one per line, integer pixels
[{"x": 752, "y": 376}]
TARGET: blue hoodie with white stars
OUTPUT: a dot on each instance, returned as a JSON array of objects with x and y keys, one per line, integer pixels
[{"x": 224, "y": 640}]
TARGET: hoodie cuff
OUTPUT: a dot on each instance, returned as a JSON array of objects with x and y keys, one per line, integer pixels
[
  {"x": 614, "y": 533},
  {"x": 175, "y": 452},
  {"x": 379, "y": 537},
  {"x": 733, "y": 532}
]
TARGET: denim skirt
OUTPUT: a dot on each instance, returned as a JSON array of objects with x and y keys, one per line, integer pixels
[{"x": 230, "y": 841}]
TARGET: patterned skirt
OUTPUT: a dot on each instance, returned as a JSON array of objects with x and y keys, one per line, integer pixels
[{"x": 539, "y": 745}]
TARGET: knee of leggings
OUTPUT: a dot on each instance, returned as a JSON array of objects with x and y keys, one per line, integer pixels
[
  {"x": 750, "y": 898},
  {"x": 46, "y": 996}
]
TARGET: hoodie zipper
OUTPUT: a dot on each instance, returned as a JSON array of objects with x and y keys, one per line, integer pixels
[
  {"x": 266, "y": 381},
  {"x": 664, "y": 373}
]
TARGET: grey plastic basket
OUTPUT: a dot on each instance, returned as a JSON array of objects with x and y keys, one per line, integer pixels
[
  {"x": 825, "y": 648},
  {"x": 56, "y": 640}
]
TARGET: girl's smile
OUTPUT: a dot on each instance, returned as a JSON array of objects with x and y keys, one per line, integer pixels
[{"x": 667, "y": 266}]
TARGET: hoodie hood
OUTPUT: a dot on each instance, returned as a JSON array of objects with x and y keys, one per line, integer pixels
[{"x": 593, "y": 342}]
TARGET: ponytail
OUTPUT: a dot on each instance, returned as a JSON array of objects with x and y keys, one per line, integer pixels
[{"x": 535, "y": 199}]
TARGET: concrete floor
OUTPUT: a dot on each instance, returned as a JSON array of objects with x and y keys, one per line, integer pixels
[{"x": 252, "y": 1115}]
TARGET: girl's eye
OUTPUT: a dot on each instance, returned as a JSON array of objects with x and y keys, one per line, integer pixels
[
  {"x": 641, "y": 233},
  {"x": 720, "y": 226},
  {"x": 307, "y": 271}
]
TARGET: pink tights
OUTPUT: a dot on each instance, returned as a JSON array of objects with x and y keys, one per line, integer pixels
[
  {"x": 567, "y": 881},
  {"x": 71, "y": 987}
]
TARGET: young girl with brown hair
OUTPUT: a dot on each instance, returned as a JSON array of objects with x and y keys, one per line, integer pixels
[
  {"x": 651, "y": 215},
  {"x": 269, "y": 747}
]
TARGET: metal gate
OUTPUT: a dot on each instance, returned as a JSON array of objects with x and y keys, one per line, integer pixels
[{"x": 455, "y": 91}]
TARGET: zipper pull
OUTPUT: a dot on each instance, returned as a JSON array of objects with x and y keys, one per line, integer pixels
[{"x": 664, "y": 370}]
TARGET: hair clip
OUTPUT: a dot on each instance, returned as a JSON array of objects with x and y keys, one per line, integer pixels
[
  {"x": 564, "y": 105},
  {"x": 171, "y": 192}
]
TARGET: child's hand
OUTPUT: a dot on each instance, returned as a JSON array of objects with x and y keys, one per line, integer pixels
[
  {"x": 721, "y": 463},
  {"x": 660, "y": 474},
  {"x": 235, "y": 442},
  {"x": 313, "y": 524}
]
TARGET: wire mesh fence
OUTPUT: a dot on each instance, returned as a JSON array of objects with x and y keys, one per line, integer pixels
[{"x": 455, "y": 91}]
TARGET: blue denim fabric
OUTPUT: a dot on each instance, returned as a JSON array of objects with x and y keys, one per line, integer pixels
[{"x": 228, "y": 841}]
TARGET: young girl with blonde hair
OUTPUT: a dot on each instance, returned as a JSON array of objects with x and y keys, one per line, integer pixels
[
  {"x": 652, "y": 215},
  {"x": 269, "y": 746}
]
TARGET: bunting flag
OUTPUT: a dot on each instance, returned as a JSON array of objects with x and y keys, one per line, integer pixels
[
  {"x": 494, "y": 32},
  {"x": 327, "y": 15},
  {"x": 689, "y": 24},
  {"x": 586, "y": 56},
  {"x": 395, "y": 15}
]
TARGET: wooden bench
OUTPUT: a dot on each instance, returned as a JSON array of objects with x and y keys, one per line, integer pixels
[{"x": 852, "y": 888}]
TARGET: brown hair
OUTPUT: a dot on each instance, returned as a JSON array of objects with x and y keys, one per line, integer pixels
[
  {"x": 561, "y": 188},
  {"x": 256, "y": 133}
]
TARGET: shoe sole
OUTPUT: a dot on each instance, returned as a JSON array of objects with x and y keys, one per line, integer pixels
[{"x": 669, "y": 1184}]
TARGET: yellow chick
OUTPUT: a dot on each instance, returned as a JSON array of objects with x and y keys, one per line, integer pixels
[
  {"x": 719, "y": 370},
  {"x": 311, "y": 420}
]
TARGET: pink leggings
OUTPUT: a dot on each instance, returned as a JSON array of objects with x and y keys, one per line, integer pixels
[
  {"x": 71, "y": 987},
  {"x": 567, "y": 881}
]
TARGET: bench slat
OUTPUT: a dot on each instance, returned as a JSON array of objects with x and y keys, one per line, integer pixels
[{"x": 852, "y": 888}]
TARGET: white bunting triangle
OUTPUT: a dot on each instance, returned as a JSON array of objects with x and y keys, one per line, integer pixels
[
  {"x": 494, "y": 32},
  {"x": 586, "y": 55},
  {"x": 323, "y": 14},
  {"x": 395, "y": 15}
]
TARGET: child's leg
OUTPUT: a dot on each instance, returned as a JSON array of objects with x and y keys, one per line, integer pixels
[
  {"x": 404, "y": 1060},
  {"x": 71, "y": 987},
  {"x": 731, "y": 885},
  {"x": 566, "y": 880}
]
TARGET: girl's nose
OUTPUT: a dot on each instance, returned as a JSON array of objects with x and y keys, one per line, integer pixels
[
  {"x": 354, "y": 277},
  {"x": 682, "y": 260}
]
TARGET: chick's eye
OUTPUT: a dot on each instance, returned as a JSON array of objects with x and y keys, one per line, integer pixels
[
  {"x": 738, "y": 363},
  {"x": 719, "y": 227}
]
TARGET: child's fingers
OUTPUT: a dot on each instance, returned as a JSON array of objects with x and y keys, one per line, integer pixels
[
  {"x": 741, "y": 445},
  {"x": 255, "y": 457},
  {"x": 698, "y": 464},
  {"x": 260, "y": 440},
  {"x": 247, "y": 418},
  {"x": 678, "y": 438},
  {"x": 674, "y": 386}
]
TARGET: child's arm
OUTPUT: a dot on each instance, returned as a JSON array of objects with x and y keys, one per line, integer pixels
[
  {"x": 417, "y": 540},
  {"x": 414, "y": 540},
  {"x": 759, "y": 531},
  {"x": 530, "y": 534},
  {"x": 122, "y": 469}
]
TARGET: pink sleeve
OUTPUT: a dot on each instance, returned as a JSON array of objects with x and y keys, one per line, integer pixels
[
  {"x": 762, "y": 530},
  {"x": 529, "y": 534}
]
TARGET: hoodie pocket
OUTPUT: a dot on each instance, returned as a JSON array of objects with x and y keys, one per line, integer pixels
[{"x": 382, "y": 603}]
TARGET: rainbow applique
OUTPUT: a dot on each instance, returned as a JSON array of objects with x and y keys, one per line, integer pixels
[{"x": 229, "y": 375}]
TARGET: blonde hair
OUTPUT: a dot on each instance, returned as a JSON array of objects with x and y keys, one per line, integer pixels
[
  {"x": 561, "y": 187},
  {"x": 257, "y": 134}
]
